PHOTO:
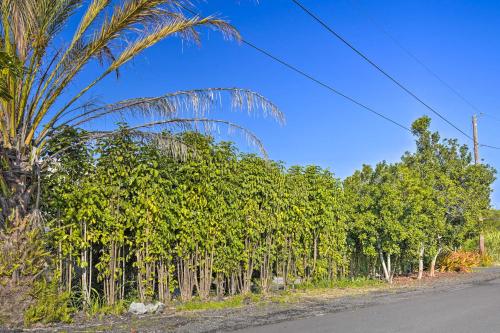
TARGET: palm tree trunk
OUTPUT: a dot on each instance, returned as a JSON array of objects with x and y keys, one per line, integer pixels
[
  {"x": 20, "y": 243},
  {"x": 17, "y": 187}
]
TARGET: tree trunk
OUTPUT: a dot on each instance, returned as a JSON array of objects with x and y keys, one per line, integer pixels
[
  {"x": 122, "y": 291},
  {"x": 85, "y": 267},
  {"x": 266, "y": 267},
  {"x": 482, "y": 249},
  {"x": 16, "y": 187},
  {"x": 220, "y": 289},
  {"x": 247, "y": 268},
  {"x": 433, "y": 263},
  {"x": 110, "y": 278},
  {"x": 163, "y": 280},
  {"x": 84, "y": 278},
  {"x": 18, "y": 218},
  {"x": 421, "y": 262},
  {"x": 69, "y": 267},
  {"x": 386, "y": 266},
  {"x": 204, "y": 283},
  {"x": 232, "y": 284},
  {"x": 315, "y": 255},
  {"x": 185, "y": 278}
]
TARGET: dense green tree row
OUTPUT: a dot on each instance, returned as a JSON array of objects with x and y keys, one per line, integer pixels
[
  {"x": 405, "y": 214},
  {"x": 125, "y": 219}
]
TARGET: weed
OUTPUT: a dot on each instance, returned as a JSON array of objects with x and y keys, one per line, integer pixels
[
  {"x": 492, "y": 243},
  {"x": 230, "y": 302},
  {"x": 50, "y": 305},
  {"x": 460, "y": 261},
  {"x": 352, "y": 283}
]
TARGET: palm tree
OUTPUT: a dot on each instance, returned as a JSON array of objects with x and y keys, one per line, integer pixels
[{"x": 37, "y": 69}]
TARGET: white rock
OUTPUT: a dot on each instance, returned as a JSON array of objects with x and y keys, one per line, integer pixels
[
  {"x": 155, "y": 307},
  {"x": 137, "y": 308},
  {"x": 278, "y": 281}
]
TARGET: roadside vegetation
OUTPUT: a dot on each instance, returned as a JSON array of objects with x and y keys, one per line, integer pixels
[
  {"x": 491, "y": 232},
  {"x": 126, "y": 221},
  {"x": 91, "y": 221},
  {"x": 492, "y": 241},
  {"x": 53, "y": 54}
]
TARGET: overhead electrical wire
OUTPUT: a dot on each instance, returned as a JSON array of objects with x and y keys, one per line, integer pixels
[
  {"x": 488, "y": 146},
  {"x": 295, "y": 69},
  {"x": 410, "y": 54},
  {"x": 313, "y": 79},
  {"x": 325, "y": 85},
  {"x": 489, "y": 115},
  {"x": 372, "y": 63}
]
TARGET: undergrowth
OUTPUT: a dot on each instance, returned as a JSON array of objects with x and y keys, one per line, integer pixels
[
  {"x": 492, "y": 243},
  {"x": 51, "y": 305},
  {"x": 230, "y": 302},
  {"x": 464, "y": 261},
  {"x": 354, "y": 283}
]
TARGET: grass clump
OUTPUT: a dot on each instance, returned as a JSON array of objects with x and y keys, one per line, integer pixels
[
  {"x": 99, "y": 308},
  {"x": 352, "y": 283},
  {"x": 230, "y": 302},
  {"x": 51, "y": 305},
  {"x": 492, "y": 243}
]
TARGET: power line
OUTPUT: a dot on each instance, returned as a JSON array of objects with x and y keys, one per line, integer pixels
[
  {"x": 400, "y": 85},
  {"x": 295, "y": 69},
  {"x": 310, "y": 77},
  {"x": 488, "y": 146},
  {"x": 410, "y": 54},
  {"x": 313, "y": 79},
  {"x": 489, "y": 115},
  {"x": 381, "y": 28},
  {"x": 494, "y": 118}
]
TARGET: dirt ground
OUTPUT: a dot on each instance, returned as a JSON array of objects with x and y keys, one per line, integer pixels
[{"x": 273, "y": 310}]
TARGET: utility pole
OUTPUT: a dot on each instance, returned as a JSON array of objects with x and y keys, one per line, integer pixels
[
  {"x": 474, "y": 135},
  {"x": 476, "y": 161}
]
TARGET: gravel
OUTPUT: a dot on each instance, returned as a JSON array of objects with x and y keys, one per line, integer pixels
[{"x": 257, "y": 314}]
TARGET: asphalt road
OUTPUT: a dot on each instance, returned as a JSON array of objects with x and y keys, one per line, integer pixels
[{"x": 466, "y": 308}]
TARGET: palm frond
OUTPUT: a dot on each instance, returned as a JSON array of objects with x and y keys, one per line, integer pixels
[
  {"x": 149, "y": 21},
  {"x": 93, "y": 11},
  {"x": 112, "y": 33},
  {"x": 48, "y": 18},
  {"x": 20, "y": 12},
  {"x": 198, "y": 102},
  {"x": 170, "y": 26},
  {"x": 166, "y": 142},
  {"x": 208, "y": 126}
]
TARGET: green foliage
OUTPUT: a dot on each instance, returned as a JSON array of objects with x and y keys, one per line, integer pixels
[
  {"x": 353, "y": 283},
  {"x": 231, "y": 302},
  {"x": 486, "y": 260},
  {"x": 99, "y": 309},
  {"x": 492, "y": 244},
  {"x": 492, "y": 220},
  {"x": 131, "y": 222},
  {"x": 409, "y": 212},
  {"x": 51, "y": 305}
]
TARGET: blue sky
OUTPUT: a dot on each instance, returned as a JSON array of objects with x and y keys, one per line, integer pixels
[{"x": 457, "y": 39}]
